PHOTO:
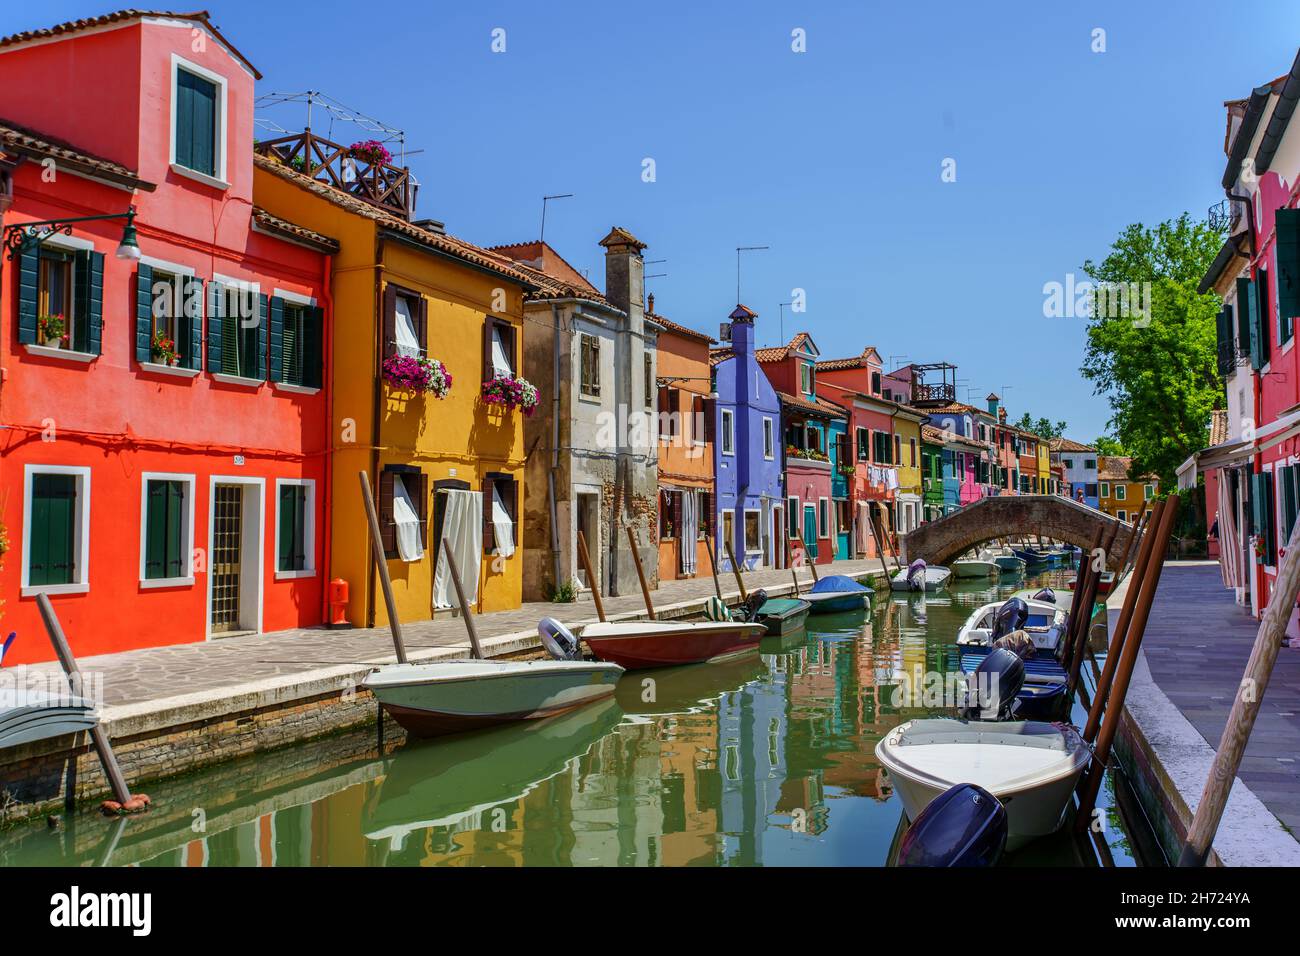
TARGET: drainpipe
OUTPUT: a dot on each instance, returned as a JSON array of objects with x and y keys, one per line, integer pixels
[
  {"x": 376, "y": 405},
  {"x": 327, "y": 505},
  {"x": 555, "y": 447}
]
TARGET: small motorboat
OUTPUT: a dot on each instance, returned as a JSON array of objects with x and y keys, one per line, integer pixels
[
  {"x": 27, "y": 715},
  {"x": 964, "y": 826},
  {"x": 639, "y": 644},
  {"x": 1041, "y": 696},
  {"x": 980, "y": 566},
  {"x": 920, "y": 577},
  {"x": 783, "y": 615},
  {"x": 837, "y": 592},
  {"x": 1032, "y": 559},
  {"x": 1042, "y": 620},
  {"x": 1008, "y": 563},
  {"x": 448, "y": 697}
]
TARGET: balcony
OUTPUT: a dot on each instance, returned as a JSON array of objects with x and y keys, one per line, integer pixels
[
  {"x": 1226, "y": 215},
  {"x": 369, "y": 179},
  {"x": 940, "y": 393}
]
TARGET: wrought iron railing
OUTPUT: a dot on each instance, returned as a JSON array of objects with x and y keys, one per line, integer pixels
[
  {"x": 940, "y": 393},
  {"x": 1225, "y": 215},
  {"x": 364, "y": 176}
]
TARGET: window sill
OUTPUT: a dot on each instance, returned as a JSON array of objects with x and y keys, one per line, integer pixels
[
  {"x": 295, "y": 575},
  {"x": 589, "y": 399},
  {"x": 66, "y": 355},
  {"x": 35, "y": 589},
  {"x": 197, "y": 176},
  {"x": 152, "y": 583},
  {"x": 157, "y": 368},
  {"x": 295, "y": 389},
  {"x": 225, "y": 379}
]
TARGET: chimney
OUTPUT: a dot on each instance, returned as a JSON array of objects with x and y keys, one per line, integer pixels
[
  {"x": 994, "y": 403},
  {"x": 742, "y": 330},
  {"x": 1002, "y": 415},
  {"x": 650, "y": 304},
  {"x": 624, "y": 272}
]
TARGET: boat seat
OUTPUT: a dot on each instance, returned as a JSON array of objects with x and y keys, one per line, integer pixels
[{"x": 1013, "y": 734}]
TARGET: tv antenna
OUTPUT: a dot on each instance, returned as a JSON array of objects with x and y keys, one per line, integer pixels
[
  {"x": 545, "y": 199},
  {"x": 739, "y": 250}
]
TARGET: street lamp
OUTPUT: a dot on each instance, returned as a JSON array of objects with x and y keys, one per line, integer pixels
[{"x": 18, "y": 235}]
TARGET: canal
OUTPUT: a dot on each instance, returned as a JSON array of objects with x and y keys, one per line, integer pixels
[{"x": 767, "y": 760}]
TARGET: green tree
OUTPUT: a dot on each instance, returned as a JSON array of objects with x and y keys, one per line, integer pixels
[
  {"x": 1156, "y": 365},
  {"x": 1041, "y": 427},
  {"x": 1110, "y": 447}
]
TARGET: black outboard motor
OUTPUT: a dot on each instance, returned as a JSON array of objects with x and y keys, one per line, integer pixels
[
  {"x": 1046, "y": 594},
  {"x": 558, "y": 640},
  {"x": 916, "y": 575},
  {"x": 991, "y": 690},
  {"x": 752, "y": 603},
  {"x": 1009, "y": 617},
  {"x": 963, "y": 826}
]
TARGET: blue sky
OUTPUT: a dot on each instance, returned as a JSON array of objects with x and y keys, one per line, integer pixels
[{"x": 831, "y": 157}]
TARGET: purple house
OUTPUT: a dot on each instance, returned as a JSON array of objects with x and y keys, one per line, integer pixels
[{"x": 747, "y": 423}]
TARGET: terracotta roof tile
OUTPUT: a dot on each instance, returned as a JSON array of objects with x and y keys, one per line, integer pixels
[
  {"x": 538, "y": 255},
  {"x": 718, "y": 356},
  {"x": 672, "y": 326},
  {"x": 820, "y": 407},
  {"x": 450, "y": 245},
  {"x": 1116, "y": 468},
  {"x": 1066, "y": 444},
  {"x": 283, "y": 227},
  {"x": 20, "y": 139},
  {"x": 1219, "y": 426}
]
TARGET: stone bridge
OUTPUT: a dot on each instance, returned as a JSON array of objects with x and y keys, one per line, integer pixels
[{"x": 1013, "y": 516}]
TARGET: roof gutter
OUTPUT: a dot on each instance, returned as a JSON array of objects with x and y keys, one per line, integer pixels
[
  {"x": 424, "y": 247},
  {"x": 1246, "y": 134},
  {"x": 1281, "y": 117}
]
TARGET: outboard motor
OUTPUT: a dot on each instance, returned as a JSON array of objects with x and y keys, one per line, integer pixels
[
  {"x": 963, "y": 826},
  {"x": 1046, "y": 594},
  {"x": 1009, "y": 617},
  {"x": 916, "y": 575},
  {"x": 756, "y": 600},
  {"x": 991, "y": 690},
  {"x": 558, "y": 640}
]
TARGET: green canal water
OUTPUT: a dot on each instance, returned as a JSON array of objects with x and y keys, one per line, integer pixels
[{"x": 767, "y": 760}]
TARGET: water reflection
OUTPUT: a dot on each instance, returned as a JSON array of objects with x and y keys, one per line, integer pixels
[{"x": 766, "y": 759}]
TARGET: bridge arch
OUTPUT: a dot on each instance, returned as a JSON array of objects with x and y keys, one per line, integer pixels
[{"x": 1010, "y": 516}]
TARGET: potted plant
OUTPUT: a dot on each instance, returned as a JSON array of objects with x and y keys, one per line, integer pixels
[
  {"x": 370, "y": 151},
  {"x": 415, "y": 373},
  {"x": 51, "y": 330},
  {"x": 162, "y": 349},
  {"x": 512, "y": 392}
]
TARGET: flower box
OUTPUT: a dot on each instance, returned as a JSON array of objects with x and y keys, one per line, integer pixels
[
  {"x": 512, "y": 392},
  {"x": 414, "y": 373},
  {"x": 370, "y": 151}
]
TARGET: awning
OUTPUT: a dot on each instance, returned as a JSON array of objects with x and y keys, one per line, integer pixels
[{"x": 1241, "y": 450}]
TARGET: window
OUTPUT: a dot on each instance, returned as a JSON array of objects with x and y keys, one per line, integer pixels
[
  {"x": 589, "y": 362},
  {"x": 499, "y": 352},
  {"x": 792, "y": 515},
  {"x": 198, "y": 122},
  {"x": 806, "y": 377},
  {"x": 728, "y": 531},
  {"x": 875, "y": 383},
  {"x": 753, "y": 531},
  {"x": 911, "y": 445},
  {"x": 864, "y": 444},
  {"x": 669, "y": 418},
  {"x": 1090, "y": 464},
  {"x": 1090, "y": 491},
  {"x": 1069, "y": 463},
  {"x": 1121, "y": 492},
  {"x": 823, "y": 518},
  {"x": 898, "y": 448},
  {"x": 1105, "y": 489},
  {"x": 728, "y": 436},
  {"x": 769, "y": 445},
  {"x": 812, "y": 438},
  {"x": 1148, "y": 492},
  {"x": 1122, "y": 515},
  {"x": 295, "y": 519},
  {"x": 500, "y": 514},
  {"x": 60, "y": 295},
  {"x": 56, "y": 530},
  {"x": 296, "y": 332},
  {"x": 237, "y": 343},
  {"x": 649, "y": 380},
  {"x": 166, "y": 530},
  {"x": 669, "y": 514},
  {"x": 169, "y": 315},
  {"x": 704, "y": 509},
  {"x": 403, "y": 512},
  {"x": 699, "y": 420},
  {"x": 406, "y": 320}
]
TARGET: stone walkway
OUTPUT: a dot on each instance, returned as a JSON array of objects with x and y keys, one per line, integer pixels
[
  {"x": 1196, "y": 645},
  {"x": 288, "y": 661}
]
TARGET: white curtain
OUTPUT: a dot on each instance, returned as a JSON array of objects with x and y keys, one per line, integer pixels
[
  {"x": 407, "y": 343},
  {"x": 502, "y": 527},
  {"x": 1229, "y": 548},
  {"x": 863, "y": 529},
  {"x": 462, "y": 527},
  {"x": 410, "y": 543},
  {"x": 689, "y": 531},
  {"x": 500, "y": 363}
]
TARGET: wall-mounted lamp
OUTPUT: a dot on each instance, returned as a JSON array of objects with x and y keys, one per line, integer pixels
[{"x": 20, "y": 234}]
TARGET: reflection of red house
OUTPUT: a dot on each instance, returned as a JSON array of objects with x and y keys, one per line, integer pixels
[{"x": 115, "y": 457}]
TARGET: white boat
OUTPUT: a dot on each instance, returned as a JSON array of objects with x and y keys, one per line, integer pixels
[
  {"x": 981, "y": 566},
  {"x": 1031, "y": 767},
  {"x": 641, "y": 644},
  {"x": 910, "y": 580},
  {"x": 447, "y": 697},
  {"x": 1045, "y": 625},
  {"x": 30, "y": 715}
]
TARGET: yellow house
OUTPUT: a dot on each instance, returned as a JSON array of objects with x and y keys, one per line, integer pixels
[
  {"x": 1045, "y": 484},
  {"x": 908, "y": 511},
  {"x": 1120, "y": 495},
  {"x": 442, "y": 468}
]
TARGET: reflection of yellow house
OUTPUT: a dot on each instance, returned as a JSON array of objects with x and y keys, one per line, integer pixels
[{"x": 398, "y": 287}]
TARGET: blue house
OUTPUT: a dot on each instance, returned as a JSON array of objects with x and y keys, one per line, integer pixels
[
  {"x": 842, "y": 467},
  {"x": 747, "y": 454}
]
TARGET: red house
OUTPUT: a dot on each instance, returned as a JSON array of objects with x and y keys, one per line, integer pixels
[{"x": 163, "y": 427}]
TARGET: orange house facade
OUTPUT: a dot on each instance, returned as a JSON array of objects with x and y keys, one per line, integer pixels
[
  {"x": 163, "y": 435},
  {"x": 686, "y": 497}
]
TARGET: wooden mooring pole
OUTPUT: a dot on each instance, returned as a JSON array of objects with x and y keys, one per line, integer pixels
[
  {"x": 1245, "y": 708},
  {"x": 381, "y": 563},
  {"x": 735, "y": 568},
  {"x": 640, "y": 572},
  {"x": 1089, "y": 599},
  {"x": 591, "y": 577},
  {"x": 465, "y": 612},
  {"x": 713, "y": 566}
]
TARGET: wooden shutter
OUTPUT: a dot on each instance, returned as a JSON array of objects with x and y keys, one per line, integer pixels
[
  {"x": 389, "y": 347},
  {"x": 29, "y": 285},
  {"x": 678, "y": 506},
  {"x": 89, "y": 297},
  {"x": 143, "y": 313},
  {"x": 51, "y": 560},
  {"x": 262, "y": 341},
  {"x": 387, "y": 528},
  {"x": 1263, "y": 295},
  {"x": 193, "y": 310},
  {"x": 488, "y": 373},
  {"x": 313, "y": 346},
  {"x": 216, "y": 306},
  {"x": 277, "y": 339},
  {"x": 1288, "y": 270},
  {"x": 1270, "y": 508},
  {"x": 1243, "y": 316},
  {"x": 196, "y": 123},
  {"x": 421, "y": 318},
  {"x": 489, "y": 532},
  {"x": 1223, "y": 341},
  {"x": 285, "y": 509},
  {"x": 508, "y": 488}
]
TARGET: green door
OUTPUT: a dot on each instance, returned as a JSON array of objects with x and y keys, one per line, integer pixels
[
  {"x": 810, "y": 529},
  {"x": 54, "y": 503}
]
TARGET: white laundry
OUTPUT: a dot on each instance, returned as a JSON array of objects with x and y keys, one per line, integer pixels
[
  {"x": 688, "y": 531},
  {"x": 410, "y": 543},
  {"x": 503, "y": 528},
  {"x": 462, "y": 529}
]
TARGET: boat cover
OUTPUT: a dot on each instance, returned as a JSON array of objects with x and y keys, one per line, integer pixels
[{"x": 839, "y": 583}]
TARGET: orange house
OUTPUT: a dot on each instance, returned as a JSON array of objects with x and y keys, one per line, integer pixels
[
  {"x": 163, "y": 430},
  {"x": 685, "y": 447}
]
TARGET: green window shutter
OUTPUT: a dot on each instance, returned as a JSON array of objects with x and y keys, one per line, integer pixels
[
  {"x": 143, "y": 312},
  {"x": 1270, "y": 505},
  {"x": 164, "y": 538},
  {"x": 313, "y": 333},
  {"x": 1288, "y": 269},
  {"x": 277, "y": 339},
  {"x": 196, "y": 114},
  {"x": 29, "y": 278},
  {"x": 1223, "y": 341},
  {"x": 175, "y": 538},
  {"x": 1265, "y": 315},
  {"x": 54, "y": 499},
  {"x": 92, "y": 268},
  {"x": 261, "y": 339},
  {"x": 1287, "y": 494},
  {"x": 215, "y": 300},
  {"x": 1252, "y": 307},
  {"x": 193, "y": 323},
  {"x": 1243, "y": 316},
  {"x": 291, "y": 550}
]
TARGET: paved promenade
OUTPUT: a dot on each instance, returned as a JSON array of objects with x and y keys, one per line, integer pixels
[{"x": 287, "y": 662}]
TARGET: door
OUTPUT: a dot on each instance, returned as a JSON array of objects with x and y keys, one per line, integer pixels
[
  {"x": 810, "y": 530},
  {"x": 227, "y": 556},
  {"x": 587, "y": 526},
  {"x": 778, "y": 537}
]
